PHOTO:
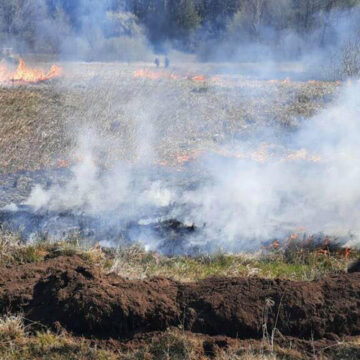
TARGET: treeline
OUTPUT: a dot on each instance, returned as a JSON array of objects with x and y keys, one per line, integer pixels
[
  {"x": 100, "y": 27},
  {"x": 176, "y": 18},
  {"x": 87, "y": 29},
  {"x": 194, "y": 22}
]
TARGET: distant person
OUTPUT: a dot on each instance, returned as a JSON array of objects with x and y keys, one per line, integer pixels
[
  {"x": 167, "y": 62},
  {"x": 157, "y": 62}
]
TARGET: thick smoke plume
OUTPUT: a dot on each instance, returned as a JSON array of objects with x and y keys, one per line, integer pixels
[
  {"x": 248, "y": 191},
  {"x": 308, "y": 31},
  {"x": 81, "y": 30},
  {"x": 314, "y": 189},
  {"x": 265, "y": 190}
]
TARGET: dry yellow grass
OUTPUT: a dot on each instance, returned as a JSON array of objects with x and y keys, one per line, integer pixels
[
  {"x": 17, "y": 342},
  {"x": 40, "y": 124}
]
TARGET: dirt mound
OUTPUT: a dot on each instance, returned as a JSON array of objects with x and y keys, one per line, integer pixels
[
  {"x": 354, "y": 266},
  {"x": 68, "y": 292}
]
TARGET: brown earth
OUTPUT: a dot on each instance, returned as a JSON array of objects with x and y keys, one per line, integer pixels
[
  {"x": 290, "y": 348},
  {"x": 68, "y": 293}
]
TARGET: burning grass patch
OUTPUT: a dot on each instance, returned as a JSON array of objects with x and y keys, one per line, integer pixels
[{"x": 38, "y": 116}]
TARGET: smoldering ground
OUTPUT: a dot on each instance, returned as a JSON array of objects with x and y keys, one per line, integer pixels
[
  {"x": 256, "y": 185},
  {"x": 235, "y": 196}
]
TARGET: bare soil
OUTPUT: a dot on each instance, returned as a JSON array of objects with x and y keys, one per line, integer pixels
[{"x": 69, "y": 293}]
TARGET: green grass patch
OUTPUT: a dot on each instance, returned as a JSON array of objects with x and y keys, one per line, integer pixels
[{"x": 136, "y": 264}]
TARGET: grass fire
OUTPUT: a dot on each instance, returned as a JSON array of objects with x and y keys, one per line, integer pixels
[
  {"x": 179, "y": 180},
  {"x": 25, "y": 74}
]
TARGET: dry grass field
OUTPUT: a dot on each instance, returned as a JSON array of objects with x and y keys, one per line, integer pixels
[
  {"x": 162, "y": 119},
  {"x": 183, "y": 115}
]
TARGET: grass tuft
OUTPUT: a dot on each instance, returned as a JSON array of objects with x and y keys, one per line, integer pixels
[
  {"x": 11, "y": 328},
  {"x": 135, "y": 263}
]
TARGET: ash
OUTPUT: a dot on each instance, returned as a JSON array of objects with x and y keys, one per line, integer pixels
[{"x": 168, "y": 235}]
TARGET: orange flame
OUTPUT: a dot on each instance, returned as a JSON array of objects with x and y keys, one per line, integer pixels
[
  {"x": 183, "y": 158},
  {"x": 23, "y": 73},
  {"x": 285, "y": 81},
  {"x": 198, "y": 78},
  {"x": 61, "y": 163},
  {"x": 264, "y": 153},
  {"x": 154, "y": 75},
  {"x": 324, "y": 252},
  {"x": 162, "y": 74}
]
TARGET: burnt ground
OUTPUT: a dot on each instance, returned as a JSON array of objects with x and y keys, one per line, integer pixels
[
  {"x": 69, "y": 293},
  {"x": 41, "y": 125},
  {"x": 173, "y": 236}
]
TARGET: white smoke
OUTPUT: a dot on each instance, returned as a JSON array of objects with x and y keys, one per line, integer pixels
[
  {"x": 99, "y": 193},
  {"x": 312, "y": 183},
  {"x": 251, "y": 201}
]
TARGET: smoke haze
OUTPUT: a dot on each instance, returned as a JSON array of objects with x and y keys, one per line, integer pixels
[
  {"x": 259, "y": 183},
  {"x": 245, "y": 31},
  {"x": 260, "y": 190}
]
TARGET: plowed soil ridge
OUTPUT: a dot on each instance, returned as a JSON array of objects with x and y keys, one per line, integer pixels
[{"x": 69, "y": 292}]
